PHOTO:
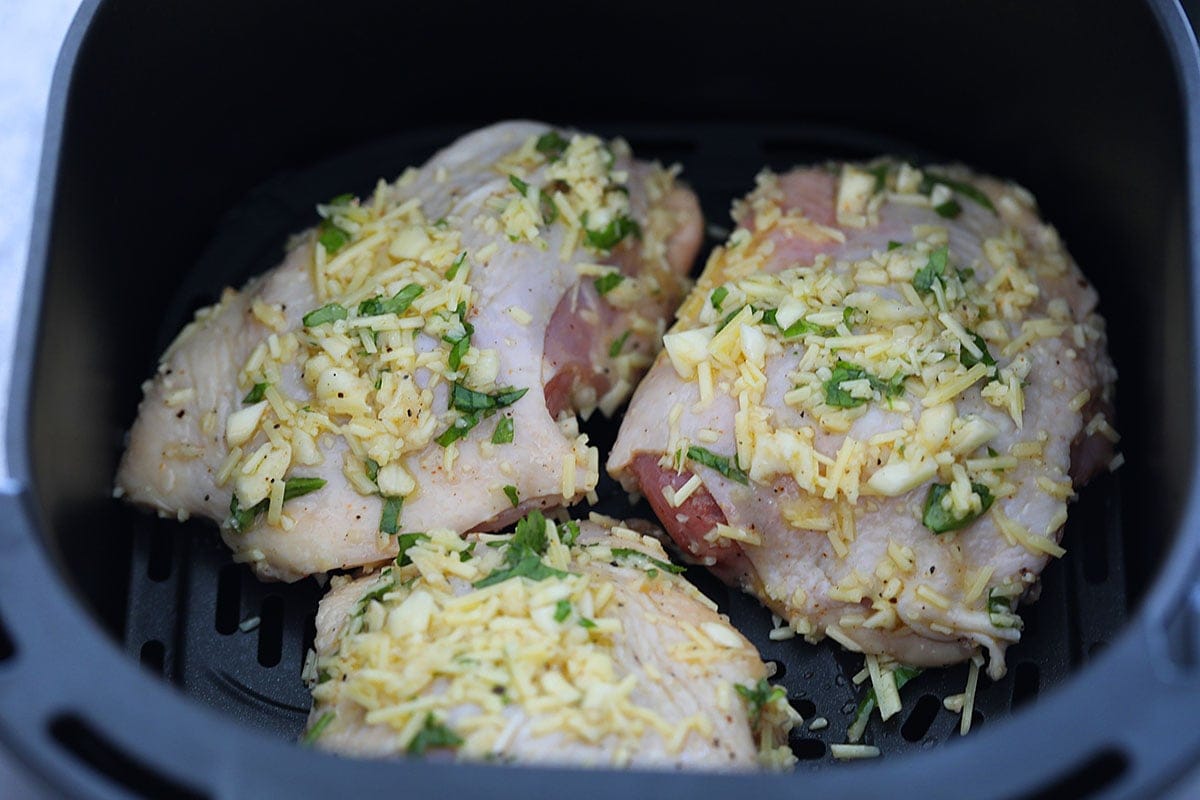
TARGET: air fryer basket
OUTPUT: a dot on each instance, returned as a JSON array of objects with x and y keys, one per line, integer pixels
[{"x": 186, "y": 143}]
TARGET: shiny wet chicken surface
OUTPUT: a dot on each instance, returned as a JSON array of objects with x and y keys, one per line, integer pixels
[
  {"x": 568, "y": 643},
  {"x": 876, "y": 406},
  {"x": 418, "y": 359}
]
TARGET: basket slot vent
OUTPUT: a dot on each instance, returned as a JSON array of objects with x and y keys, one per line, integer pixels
[
  {"x": 83, "y": 742},
  {"x": 922, "y": 716},
  {"x": 805, "y": 708},
  {"x": 153, "y": 655},
  {"x": 807, "y": 748},
  {"x": 7, "y": 648},
  {"x": 270, "y": 631},
  {"x": 229, "y": 599},
  {"x": 1089, "y": 778}
]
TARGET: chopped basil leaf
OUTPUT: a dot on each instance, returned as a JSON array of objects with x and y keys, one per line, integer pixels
[
  {"x": 1000, "y": 611},
  {"x": 718, "y": 296},
  {"x": 523, "y": 558},
  {"x": 465, "y": 399},
  {"x": 518, "y": 184},
  {"x": 298, "y": 487},
  {"x": 726, "y": 466},
  {"x": 331, "y": 237},
  {"x": 326, "y": 313},
  {"x": 965, "y": 189},
  {"x": 584, "y": 622},
  {"x": 503, "y": 434},
  {"x": 389, "y": 518},
  {"x": 552, "y": 145},
  {"x": 256, "y": 394},
  {"x": 432, "y": 734},
  {"x": 991, "y": 451},
  {"x": 242, "y": 518},
  {"x": 371, "y": 467},
  {"x": 397, "y": 304},
  {"x": 923, "y": 279},
  {"x": 457, "y": 430},
  {"x": 608, "y": 281},
  {"x": 949, "y": 209},
  {"x": 547, "y": 207},
  {"x": 940, "y": 519},
  {"x": 968, "y": 359},
  {"x": 403, "y": 543},
  {"x": 318, "y": 728},
  {"x": 629, "y": 552},
  {"x": 441, "y": 222},
  {"x": 844, "y": 371},
  {"x": 562, "y": 610},
  {"x": 880, "y": 172},
  {"x": 611, "y": 234},
  {"x": 458, "y": 349},
  {"x": 729, "y": 318},
  {"x": 614, "y": 349},
  {"x": 893, "y": 245},
  {"x": 510, "y": 492},
  {"x": 902, "y": 675},
  {"x": 458, "y": 262},
  {"x": 465, "y": 555},
  {"x": 758, "y": 696},
  {"x": 572, "y": 532}
]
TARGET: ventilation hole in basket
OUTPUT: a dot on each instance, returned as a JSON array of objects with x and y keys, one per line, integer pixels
[
  {"x": 158, "y": 563},
  {"x": 270, "y": 631},
  {"x": 805, "y": 708},
  {"x": 153, "y": 655},
  {"x": 1026, "y": 682},
  {"x": 780, "y": 669},
  {"x": 82, "y": 741},
  {"x": 808, "y": 749},
  {"x": 1095, "y": 558},
  {"x": 229, "y": 599},
  {"x": 921, "y": 717},
  {"x": 1088, "y": 779},
  {"x": 7, "y": 648}
]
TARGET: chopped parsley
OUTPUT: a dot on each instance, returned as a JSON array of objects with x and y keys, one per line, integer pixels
[
  {"x": 546, "y": 205},
  {"x": 1000, "y": 611},
  {"x": 562, "y": 610},
  {"x": 726, "y": 466},
  {"x": 458, "y": 262},
  {"x": 404, "y": 543},
  {"x": 552, "y": 145},
  {"x": 503, "y": 434},
  {"x": 457, "y": 430},
  {"x": 518, "y": 184},
  {"x": 510, "y": 492},
  {"x": 584, "y": 622},
  {"x": 615, "y": 348},
  {"x": 459, "y": 346},
  {"x": 468, "y": 400},
  {"x": 629, "y": 552},
  {"x": 932, "y": 271},
  {"x": 523, "y": 557},
  {"x": 759, "y": 696},
  {"x": 968, "y": 359},
  {"x": 371, "y": 468},
  {"x": 397, "y": 304},
  {"x": 433, "y": 734},
  {"x": 571, "y": 533},
  {"x": 331, "y": 312},
  {"x": 613, "y": 233},
  {"x": 608, "y": 281},
  {"x": 318, "y": 728},
  {"x": 940, "y": 519},
  {"x": 844, "y": 371},
  {"x": 931, "y": 179},
  {"x": 718, "y": 296},
  {"x": 243, "y": 518},
  {"x": 389, "y": 518},
  {"x": 256, "y": 393},
  {"x": 949, "y": 209}
]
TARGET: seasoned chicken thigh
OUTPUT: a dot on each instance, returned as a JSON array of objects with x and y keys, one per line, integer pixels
[
  {"x": 878, "y": 402},
  {"x": 570, "y": 643},
  {"x": 418, "y": 359}
]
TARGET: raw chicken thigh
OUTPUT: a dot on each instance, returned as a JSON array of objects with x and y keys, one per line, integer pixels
[
  {"x": 875, "y": 407},
  {"x": 418, "y": 359},
  {"x": 569, "y": 643}
]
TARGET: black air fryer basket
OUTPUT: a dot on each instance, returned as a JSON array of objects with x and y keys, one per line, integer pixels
[{"x": 187, "y": 140}]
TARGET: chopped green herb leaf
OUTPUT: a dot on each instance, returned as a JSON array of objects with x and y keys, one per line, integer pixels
[
  {"x": 614, "y": 349},
  {"x": 611, "y": 234},
  {"x": 432, "y": 734},
  {"x": 397, "y": 304},
  {"x": 965, "y": 189},
  {"x": 726, "y": 466},
  {"x": 510, "y": 492},
  {"x": 923, "y": 279},
  {"x": 629, "y": 552},
  {"x": 465, "y": 555},
  {"x": 844, "y": 371},
  {"x": 404, "y": 543},
  {"x": 880, "y": 172},
  {"x": 331, "y": 237},
  {"x": 893, "y": 245},
  {"x": 584, "y": 622},
  {"x": 458, "y": 349},
  {"x": 458, "y": 262},
  {"x": 991, "y": 451},
  {"x": 518, "y": 184},
  {"x": 608, "y": 281},
  {"x": 330, "y": 312},
  {"x": 256, "y": 394},
  {"x": 562, "y": 610},
  {"x": 318, "y": 728},
  {"x": 503, "y": 434},
  {"x": 465, "y": 399},
  {"x": 571, "y": 534},
  {"x": 901, "y": 675},
  {"x": 758, "y": 696},
  {"x": 441, "y": 222},
  {"x": 939, "y": 519},
  {"x": 389, "y": 519},
  {"x": 523, "y": 558},
  {"x": 718, "y": 296},
  {"x": 371, "y": 467},
  {"x": 457, "y": 430},
  {"x": 968, "y": 359},
  {"x": 298, "y": 487},
  {"x": 949, "y": 209},
  {"x": 552, "y": 144},
  {"x": 1000, "y": 611}
]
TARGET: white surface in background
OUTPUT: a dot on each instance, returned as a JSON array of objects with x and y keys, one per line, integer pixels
[{"x": 31, "y": 32}]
